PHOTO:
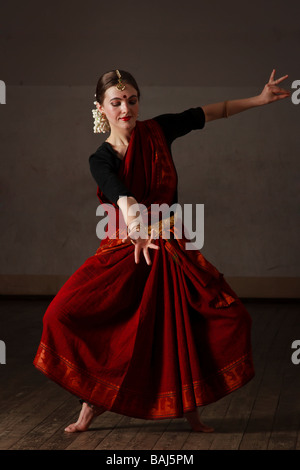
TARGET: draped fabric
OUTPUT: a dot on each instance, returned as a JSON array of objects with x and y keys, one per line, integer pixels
[{"x": 147, "y": 341}]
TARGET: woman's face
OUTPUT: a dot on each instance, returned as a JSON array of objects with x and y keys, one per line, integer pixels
[{"x": 121, "y": 107}]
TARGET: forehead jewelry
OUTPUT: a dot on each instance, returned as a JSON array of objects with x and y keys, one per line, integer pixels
[{"x": 120, "y": 86}]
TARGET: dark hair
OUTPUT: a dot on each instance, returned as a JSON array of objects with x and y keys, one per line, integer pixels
[{"x": 109, "y": 79}]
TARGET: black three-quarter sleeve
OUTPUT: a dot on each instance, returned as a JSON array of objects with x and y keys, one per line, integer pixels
[
  {"x": 104, "y": 168},
  {"x": 104, "y": 163},
  {"x": 178, "y": 124}
]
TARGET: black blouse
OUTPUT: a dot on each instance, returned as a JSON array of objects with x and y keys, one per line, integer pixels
[{"x": 104, "y": 163}]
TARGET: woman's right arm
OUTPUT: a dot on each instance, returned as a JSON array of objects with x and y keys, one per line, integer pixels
[
  {"x": 114, "y": 189},
  {"x": 125, "y": 203},
  {"x": 138, "y": 233}
]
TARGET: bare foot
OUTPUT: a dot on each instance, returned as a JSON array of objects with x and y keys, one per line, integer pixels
[
  {"x": 86, "y": 416},
  {"x": 195, "y": 423}
]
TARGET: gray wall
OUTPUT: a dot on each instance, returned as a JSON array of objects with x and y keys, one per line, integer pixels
[{"x": 244, "y": 169}]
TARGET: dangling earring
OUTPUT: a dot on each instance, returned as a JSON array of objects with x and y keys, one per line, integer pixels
[{"x": 101, "y": 123}]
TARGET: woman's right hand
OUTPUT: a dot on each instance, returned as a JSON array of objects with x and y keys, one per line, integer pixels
[{"x": 141, "y": 244}]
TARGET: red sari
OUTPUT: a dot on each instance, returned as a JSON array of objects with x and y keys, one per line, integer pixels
[{"x": 146, "y": 341}]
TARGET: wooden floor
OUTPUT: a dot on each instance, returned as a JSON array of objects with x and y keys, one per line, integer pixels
[{"x": 265, "y": 414}]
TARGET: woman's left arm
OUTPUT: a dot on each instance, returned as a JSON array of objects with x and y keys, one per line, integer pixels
[{"x": 271, "y": 92}]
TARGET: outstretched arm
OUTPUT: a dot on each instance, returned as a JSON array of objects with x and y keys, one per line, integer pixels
[
  {"x": 137, "y": 230},
  {"x": 271, "y": 92}
]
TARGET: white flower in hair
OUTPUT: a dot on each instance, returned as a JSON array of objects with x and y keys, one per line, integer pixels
[{"x": 101, "y": 123}]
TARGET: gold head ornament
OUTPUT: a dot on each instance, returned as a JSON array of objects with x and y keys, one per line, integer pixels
[{"x": 120, "y": 85}]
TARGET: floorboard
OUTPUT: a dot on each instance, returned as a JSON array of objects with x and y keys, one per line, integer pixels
[{"x": 262, "y": 415}]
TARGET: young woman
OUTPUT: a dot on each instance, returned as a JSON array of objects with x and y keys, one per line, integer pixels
[{"x": 146, "y": 327}]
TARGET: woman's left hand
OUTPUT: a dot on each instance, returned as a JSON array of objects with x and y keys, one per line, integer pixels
[{"x": 272, "y": 92}]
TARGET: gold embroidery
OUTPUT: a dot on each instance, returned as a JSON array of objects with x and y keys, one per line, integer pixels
[{"x": 125, "y": 401}]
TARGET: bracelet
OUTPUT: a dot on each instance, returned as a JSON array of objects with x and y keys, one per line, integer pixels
[
  {"x": 225, "y": 111},
  {"x": 135, "y": 228},
  {"x": 135, "y": 222},
  {"x": 140, "y": 230},
  {"x": 137, "y": 225}
]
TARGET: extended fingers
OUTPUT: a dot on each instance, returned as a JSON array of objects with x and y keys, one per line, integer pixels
[
  {"x": 276, "y": 89},
  {"x": 156, "y": 247},
  {"x": 137, "y": 251},
  {"x": 272, "y": 76},
  {"x": 146, "y": 252},
  {"x": 147, "y": 256},
  {"x": 140, "y": 246},
  {"x": 280, "y": 92},
  {"x": 279, "y": 80},
  {"x": 272, "y": 80},
  {"x": 152, "y": 245},
  {"x": 283, "y": 95}
]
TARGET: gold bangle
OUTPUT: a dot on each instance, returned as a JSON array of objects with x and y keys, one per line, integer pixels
[{"x": 225, "y": 111}]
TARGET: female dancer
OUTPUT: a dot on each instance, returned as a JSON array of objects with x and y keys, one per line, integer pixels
[{"x": 148, "y": 334}]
